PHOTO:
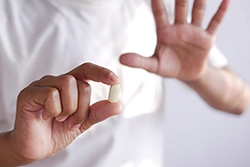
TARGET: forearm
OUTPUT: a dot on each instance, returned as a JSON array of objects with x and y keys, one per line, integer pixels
[
  {"x": 8, "y": 155},
  {"x": 223, "y": 90}
]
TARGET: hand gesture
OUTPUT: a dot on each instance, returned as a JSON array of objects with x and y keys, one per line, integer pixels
[
  {"x": 54, "y": 110},
  {"x": 182, "y": 48}
]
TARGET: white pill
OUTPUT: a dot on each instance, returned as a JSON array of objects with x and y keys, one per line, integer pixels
[{"x": 114, "y": 93}]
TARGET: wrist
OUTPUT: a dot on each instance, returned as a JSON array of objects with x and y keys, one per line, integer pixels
[
  {"x": 10, "y": 154},
  {"x": 207, "y": 70}
]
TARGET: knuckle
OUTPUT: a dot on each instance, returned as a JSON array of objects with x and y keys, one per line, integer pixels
[
  {"x": 94, "y": 119},
  {"x": 67, "y": 80},
  {"x": 200, "y": 5},
  {"x": 35, "y": 83},
  {"x": 86, "y": 65},
  {"x": 181, "y": 3},
  {"x": 85, "y": 126},
  {"x": 219, "y": 16},
  {"x": 216, "y": 20},
  {"x": 52, "y": 93},
  {"x": 52, "y": 102},
  {"x": 89, "y": 123},
  {"x": 158, "y": 12},
  {"x": 104, "y": 73},
  {"x": 46, "y": 77},
  {"x": 84, "y": 88}
]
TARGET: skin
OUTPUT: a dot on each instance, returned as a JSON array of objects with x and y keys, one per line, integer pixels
[
  {"x": 182, "y": 52},
  {"x": 54, "y": 110}
]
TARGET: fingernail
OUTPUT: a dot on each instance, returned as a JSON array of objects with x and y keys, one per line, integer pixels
[
  {"x": 46, "y": 115},
  {"x": 113, "y": 77},
  {"x": 75, "y": 127},
  {"x": 61, "y": 119}
]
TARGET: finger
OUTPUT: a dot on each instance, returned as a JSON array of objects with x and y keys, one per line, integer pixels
[
  {"x": 160, "y": 13},
  {"x": 218, "y": 17},
  {"x": 134, "y": 60},
  {"x": 35, "y": 99},
  {"x": 181, "y": 8},
  {"x": 84, "y": 93},
  {"x": 89, "y": 71},
  {"x": 47, "y": 77},
  {"x": 198, "y": 12},
  {"x": 67, "y": 88},
  {"x": 99, "y": 112}
]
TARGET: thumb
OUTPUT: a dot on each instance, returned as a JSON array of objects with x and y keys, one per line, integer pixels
[
  {"x": 137, "y": 61},
  {"x": 99, "y": 112}
]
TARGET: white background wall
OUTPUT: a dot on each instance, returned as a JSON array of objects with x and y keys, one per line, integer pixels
[{"x": 196, "y": 135}]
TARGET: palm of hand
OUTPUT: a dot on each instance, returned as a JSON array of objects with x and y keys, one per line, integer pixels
[
  {"x": 44, "y": 138},
  {"x": 182, "y": 49},
  {"x": 57, "y": 136}
]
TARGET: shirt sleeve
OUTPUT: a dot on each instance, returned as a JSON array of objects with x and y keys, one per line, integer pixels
[{"x": 217, "y": 59}]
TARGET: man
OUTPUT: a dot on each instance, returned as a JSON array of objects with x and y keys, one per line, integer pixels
[{"x": 51, "y": 38}]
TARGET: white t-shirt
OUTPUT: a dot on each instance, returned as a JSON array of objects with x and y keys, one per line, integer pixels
[{"x": 43, "y": 37}]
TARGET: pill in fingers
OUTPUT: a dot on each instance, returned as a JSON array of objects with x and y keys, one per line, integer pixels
[{"x": 114, "y": 93}]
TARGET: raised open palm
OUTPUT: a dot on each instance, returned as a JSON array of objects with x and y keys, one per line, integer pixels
[{"x": 182, "y": 48}]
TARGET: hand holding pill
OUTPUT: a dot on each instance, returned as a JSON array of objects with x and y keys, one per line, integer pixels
[{"x": 60, "y": 105}]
